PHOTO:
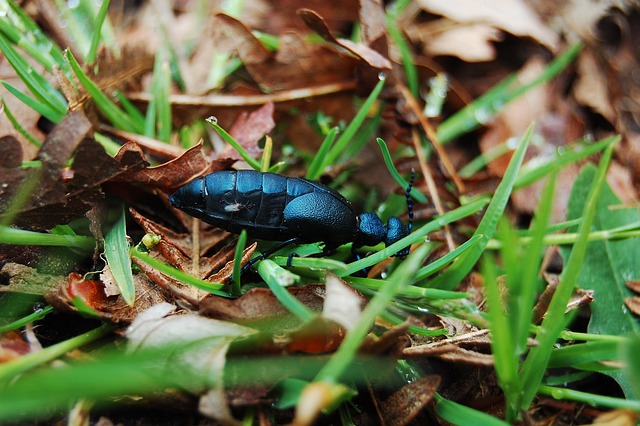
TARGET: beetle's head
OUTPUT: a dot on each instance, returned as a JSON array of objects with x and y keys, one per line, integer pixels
[
  {"x": 371, "y": 231},
  {"x": 396, "y": 230}
]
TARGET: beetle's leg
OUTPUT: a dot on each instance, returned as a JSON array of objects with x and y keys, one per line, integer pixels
[
  {"x": 268, "y": 253},
  {"x": 290, "y": 257},
  {"x": 409, "y": 200}
]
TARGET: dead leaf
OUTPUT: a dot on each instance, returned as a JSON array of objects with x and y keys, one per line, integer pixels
[
  {"x": 342, "y": 304},
  {"x": 405, "y": 404},
  {"x": 512, "y": 16},
  {"x": 471, "y": 43},
  {"x": 249, "y": 129},
  {"x": 633, "y": 303},
  {"x": 362, "y": 51}
]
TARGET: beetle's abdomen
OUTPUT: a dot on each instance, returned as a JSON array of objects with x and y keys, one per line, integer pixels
[{"x": 268, "y": 206}]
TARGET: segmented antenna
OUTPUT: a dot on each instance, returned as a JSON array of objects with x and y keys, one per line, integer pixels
[{"x": 409, "y": 200}]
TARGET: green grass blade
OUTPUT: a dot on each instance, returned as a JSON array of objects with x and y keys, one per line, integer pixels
[
  {"x": 502, "y": 344},
  {"x": 486, "y": 106},
  {"x": 179, "y": 275},
  {"x": 456, "y": 272},
  {"x": 13, "y": 368},
  {"x": 160, "y": 101},
  {"x": 35, "y": 82},
  {"x": 277, "y": 278},
  {"x": 523, "y": 296},
  {"x": 353, "y": 127},
  {"x": 315, "y": 168},
  {"x": 535, "y": 364},
  {"x": 16, "y": 125},
  {"x": 43, "y": 109},
  {"x": 388, "y": 161},
  {"x": 435, "y": 266},
  {"x": 590, "y": 398},
  {"x": 408, "y": 64},
  {"x": 461, "y": 415},
  {"x": 116, "y": 250},
  {"x": 237, "y": 263},
  {"x": 97, "y": 31},
  {"x": 255, "y": 164},
  {"x": 19, "y": 237},
  {"x": 534, "y": 170}
]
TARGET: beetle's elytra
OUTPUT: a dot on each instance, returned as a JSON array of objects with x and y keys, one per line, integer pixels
[{"x": 280, "y": 208}]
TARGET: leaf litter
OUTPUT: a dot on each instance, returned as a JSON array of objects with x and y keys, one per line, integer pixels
[{"x": 269, "y": 91}]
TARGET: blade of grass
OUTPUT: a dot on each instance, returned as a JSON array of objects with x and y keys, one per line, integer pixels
[
  {"x": 458, "y": 414},
  {"x": 255, "y": 165},
  {"x": 16, "y": 125},
  {"x": 408, "y": 64},
  {"x": 463, "y": 265},
  {"x": 12, "y": 368},
  {"x": 502, "y": 345},
  {"x": 435, "y": 266},
  {"x": 388, "y": 161},
  {"x": 355, "y": 124},
  {"x": 522, "y": 296},
  {"x": 35, "y": 82},
  {"x": 14, "y": 236},
  {"x": 277, "y": 279},
  {"x": 486, "y": 106},
  {"x": 237, "y": 263},
  {"x": 315, "y": 170},
  {"x": 535, "y": 364},
  {"x": 35, "y": 316},
  {"x": 45, "y": 110},
  {"x": 97, "y": 31},
  {"x": 179, "y": 275},
  {"x": 590, "y": 398},
  {"x": 116, "y": 250},
  {"x": 534, "y": 170}
]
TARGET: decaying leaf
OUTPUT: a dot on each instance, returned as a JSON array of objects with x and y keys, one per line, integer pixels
[
  {"x": 199, "y": 346},
  {"x": 405, "y": 404}
]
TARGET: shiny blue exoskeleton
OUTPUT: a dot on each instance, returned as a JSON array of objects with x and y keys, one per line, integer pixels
[{"x": 280, "y": 208}]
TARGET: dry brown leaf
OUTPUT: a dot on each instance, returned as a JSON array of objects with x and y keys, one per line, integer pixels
[
  {"x": 404, "y": 405},
  {"x": 362, "y": 51}
]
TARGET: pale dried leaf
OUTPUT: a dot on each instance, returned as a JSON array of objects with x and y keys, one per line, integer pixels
[
  {"x": 471, "y": 43},
  {"x": 512, "y": 16},
  {"x": 342, "y": 304}
]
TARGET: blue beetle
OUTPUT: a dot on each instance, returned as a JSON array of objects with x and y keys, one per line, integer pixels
[{"x": 280, "y": 208}]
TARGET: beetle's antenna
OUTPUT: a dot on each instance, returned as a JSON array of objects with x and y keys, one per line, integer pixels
[{"x": 409, "y": 200}]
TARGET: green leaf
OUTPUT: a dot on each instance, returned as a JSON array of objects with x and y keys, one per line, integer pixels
[
  {"x": 607, "y": 264},
  {"x": 116, "y": 250}
]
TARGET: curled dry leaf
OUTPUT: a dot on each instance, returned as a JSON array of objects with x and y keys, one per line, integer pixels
[
  {"x": 633, "y": 303},
  {"x": 309, "y": 65},
  {"x": 167, "y": 176},
  {"x": 13, "y": 346},
  {"x": 362, "y": 51}
]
